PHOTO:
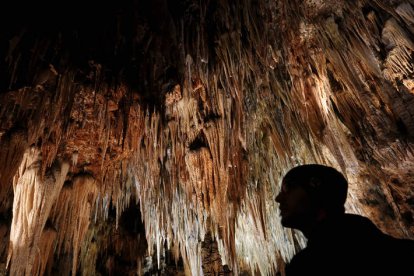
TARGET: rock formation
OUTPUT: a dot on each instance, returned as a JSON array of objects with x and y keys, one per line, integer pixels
[{"x": 143, "y": 137}]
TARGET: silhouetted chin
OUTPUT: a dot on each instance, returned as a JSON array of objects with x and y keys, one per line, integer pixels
[
  {"x": 291, "y": 222},
  {"x": 286, "y": 222}
]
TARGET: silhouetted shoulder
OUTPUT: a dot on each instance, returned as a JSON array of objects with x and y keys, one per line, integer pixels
[
  {"x": 359, "y": 224},
  {"x": 353, "y": 245},
  {"x": 388, "y": 255},
  {"x": 400, "y": 255}
]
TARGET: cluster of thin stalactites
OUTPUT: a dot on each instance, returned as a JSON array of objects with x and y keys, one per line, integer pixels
[{"x": 208, "y": 164}]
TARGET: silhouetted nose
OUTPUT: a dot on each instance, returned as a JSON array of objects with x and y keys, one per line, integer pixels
[{"x": 278, "y": 198}]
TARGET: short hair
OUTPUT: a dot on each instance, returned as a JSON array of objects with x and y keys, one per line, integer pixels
[{"x": 326, "y": 186}]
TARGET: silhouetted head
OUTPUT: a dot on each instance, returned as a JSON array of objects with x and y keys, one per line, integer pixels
[{"x": 311, "y": 193}]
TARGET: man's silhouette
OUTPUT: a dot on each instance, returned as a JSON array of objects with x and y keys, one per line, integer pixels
[{"x": 312, "y": 199}]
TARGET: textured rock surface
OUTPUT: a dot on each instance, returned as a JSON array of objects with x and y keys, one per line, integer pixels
[{"x": 150, "y": 136}]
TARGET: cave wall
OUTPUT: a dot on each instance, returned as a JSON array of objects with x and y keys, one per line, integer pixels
[{"x": 187, "y": 114}]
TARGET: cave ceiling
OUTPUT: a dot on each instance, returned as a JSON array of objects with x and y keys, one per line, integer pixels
[{"x": 150, "y": 136}]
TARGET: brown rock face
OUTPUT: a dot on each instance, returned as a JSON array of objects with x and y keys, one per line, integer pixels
[{"x": 149, "y": 137}]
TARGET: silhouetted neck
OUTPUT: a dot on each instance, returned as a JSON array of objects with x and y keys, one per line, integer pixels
[{"x": 323, "y": 227}]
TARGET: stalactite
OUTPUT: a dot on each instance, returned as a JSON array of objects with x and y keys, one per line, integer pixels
[
  {"x": 42, "y": 258},
  {"x": 13, "y": 144},
  {"x": 196, "y": 110},
  {"x": 398, "y": 68},
  {"x": 34, "y": 196},
  {"x": 88, "y": 259},
  {"x": 205, "y": 189},
  {"x": 72, "y": 215}
]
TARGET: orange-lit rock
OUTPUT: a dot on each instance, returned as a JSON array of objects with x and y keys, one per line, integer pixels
[{"x": 187, "y": 114}]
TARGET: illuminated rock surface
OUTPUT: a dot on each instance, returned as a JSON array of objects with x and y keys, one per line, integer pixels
[{"x": 150, "y": 137}]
